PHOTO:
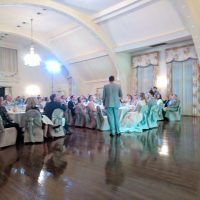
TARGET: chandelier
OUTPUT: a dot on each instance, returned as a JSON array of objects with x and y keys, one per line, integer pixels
[{"x": 32, "y": 59}]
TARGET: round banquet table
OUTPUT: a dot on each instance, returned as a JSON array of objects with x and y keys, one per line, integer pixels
[{"x": 18, "y": 117}]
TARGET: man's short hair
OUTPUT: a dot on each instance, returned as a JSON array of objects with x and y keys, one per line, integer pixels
[
  {"x": 111, "y": 78},
  {"x": 52, "y": 97}
]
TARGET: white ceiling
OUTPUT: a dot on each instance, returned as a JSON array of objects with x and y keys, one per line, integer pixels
[
  {"x": 47, "y": 24},
  {"x": 89, "y": 6},
  {"x": 77, "y": 29}
]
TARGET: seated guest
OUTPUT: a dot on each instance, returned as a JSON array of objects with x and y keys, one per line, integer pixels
[
  {"x": 80, "y": 104},
  {"x": 98, "y": 99},
  {"x": 92, "y": 111},
  {"x": 43, "y": 102},
  {"x": 159, "y": 99},
  {"x": 63, "y": 100},
  {"x": 91, "y": 104},
  {"x": 151, "y": 99},
  {"x": 129, "y": 100},
  {"x": 141, "y": 101},
  {"x": 135, "y": 100},
  {"x": 81, "y": 109},
  {"x": 31, "y": 104},
  {"x": 71, "y": 105},
  {"x": 155, "y": 91},
  {"x": 7, "y": 121},
  {"x": 19, "y": 100},
  {"x": 174, "y": 105},
  {"x": 169, "y": 101},
  {"x": 134, "y": 116},
  {"x": 52, "y": 105},
  {"x": 8, "y": 101}
]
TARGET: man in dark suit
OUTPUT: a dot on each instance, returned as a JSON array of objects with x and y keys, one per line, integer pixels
[
  {"x": 52, "y": 105},
  {"x": 112, "y": 94},
  {"x": 71, "y": 105}
]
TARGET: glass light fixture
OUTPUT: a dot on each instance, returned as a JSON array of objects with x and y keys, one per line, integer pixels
[{"x": 32, "y": 59}]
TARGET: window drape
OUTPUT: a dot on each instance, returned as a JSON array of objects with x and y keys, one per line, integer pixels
[
  {"x": 186, "y": 56},
  {"x": 182, "y": 84},
  {"x": 145, "y": 69},
  {"x": 8, "y": 62}
]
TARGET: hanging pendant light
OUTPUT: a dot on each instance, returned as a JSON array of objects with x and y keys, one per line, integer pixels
[{"x": 32, "y": 59}]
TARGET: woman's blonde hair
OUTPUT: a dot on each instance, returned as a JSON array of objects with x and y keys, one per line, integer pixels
[{"x": 31, "y": 102}]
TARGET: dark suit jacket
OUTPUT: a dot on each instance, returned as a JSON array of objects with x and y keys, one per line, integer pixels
[
  {"x": 5, "y": 116},
  {"x": 71, "y": 106},
  {"x": 51, "y": 106}
]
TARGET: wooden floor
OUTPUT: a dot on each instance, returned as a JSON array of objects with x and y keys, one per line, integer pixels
[{"x": 161, "y": 164}]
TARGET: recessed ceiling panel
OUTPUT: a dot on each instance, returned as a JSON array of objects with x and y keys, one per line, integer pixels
[{"x": 90, "y": 6}]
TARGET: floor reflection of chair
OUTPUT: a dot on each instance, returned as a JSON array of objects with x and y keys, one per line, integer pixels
[
  {"x": 149, "y": 140},
  {"x": 6, "y": 162},
  {"x": 152, "y": 117}
]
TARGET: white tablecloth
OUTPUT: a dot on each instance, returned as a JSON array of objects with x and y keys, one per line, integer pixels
[{"x": 18, "y": 117}]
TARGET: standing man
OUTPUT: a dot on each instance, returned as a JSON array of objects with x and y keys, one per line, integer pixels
[{"x": 112, "y": 94}]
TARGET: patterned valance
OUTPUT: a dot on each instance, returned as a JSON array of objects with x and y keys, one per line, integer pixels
[
  {"x": 181, "y": 54},
  {"x": 145, "y": 60}
]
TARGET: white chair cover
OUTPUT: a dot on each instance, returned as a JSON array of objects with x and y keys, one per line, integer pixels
[
  {"x": 57, "y": 119},
  {"x": 8, "y": 136},
  {"x": 33, "y": 127},
  {"x": 102, "y": 121}
]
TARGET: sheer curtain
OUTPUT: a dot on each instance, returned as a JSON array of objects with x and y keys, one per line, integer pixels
[
  {"x": 145, "y": 69},
  {"x": 182, "y": 84},
  {"x": 8, "y": 61},
  {"x": 183, "y": 74},
  {"x": 145, "y": 78}
]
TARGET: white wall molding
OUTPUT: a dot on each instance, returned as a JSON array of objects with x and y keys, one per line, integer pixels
[
  {"x": 97, "y": 81},
  {"x": 121, "y": 8},
  {"x": 179, "y": 34}
]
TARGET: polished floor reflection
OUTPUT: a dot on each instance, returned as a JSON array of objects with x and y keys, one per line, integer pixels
[{"x": 160, "y": 164}]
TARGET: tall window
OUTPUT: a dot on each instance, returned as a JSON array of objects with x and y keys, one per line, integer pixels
[
  {"x": 182, "y": 84},
  {"x": 8, "y": 63},
  {"x": 145, "y": 78},
  {"x": 144, "y": 72},
  {"x": 183, "y": 74}
]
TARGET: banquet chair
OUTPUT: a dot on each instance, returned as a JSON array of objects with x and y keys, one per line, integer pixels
[
  {"x": 33, "y": 127},
  {"x": 57, "y": 119},
  {"x": 144, "y": 122},
  {"x": 70, "y": 119},
  {"x": 152, "y": 117},
  {"x": 8, "y": 136},
  {"x": 160, "y": 112},
  {"x": 80, "y": 118},
  {"x": 102, "y": 120},
  {"x": 91, "y": 119},
  {"x": 173, "y": 115}
]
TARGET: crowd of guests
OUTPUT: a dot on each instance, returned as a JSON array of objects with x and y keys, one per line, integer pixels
[
  {"x": 153, "y": 97},
  {"x": 80, "y": 104}
]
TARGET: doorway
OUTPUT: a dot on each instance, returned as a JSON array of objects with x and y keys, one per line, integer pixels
[{"x": 4, "y": 90}]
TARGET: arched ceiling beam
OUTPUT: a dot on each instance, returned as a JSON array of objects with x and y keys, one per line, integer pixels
[{"x": 80, "y": 17}]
